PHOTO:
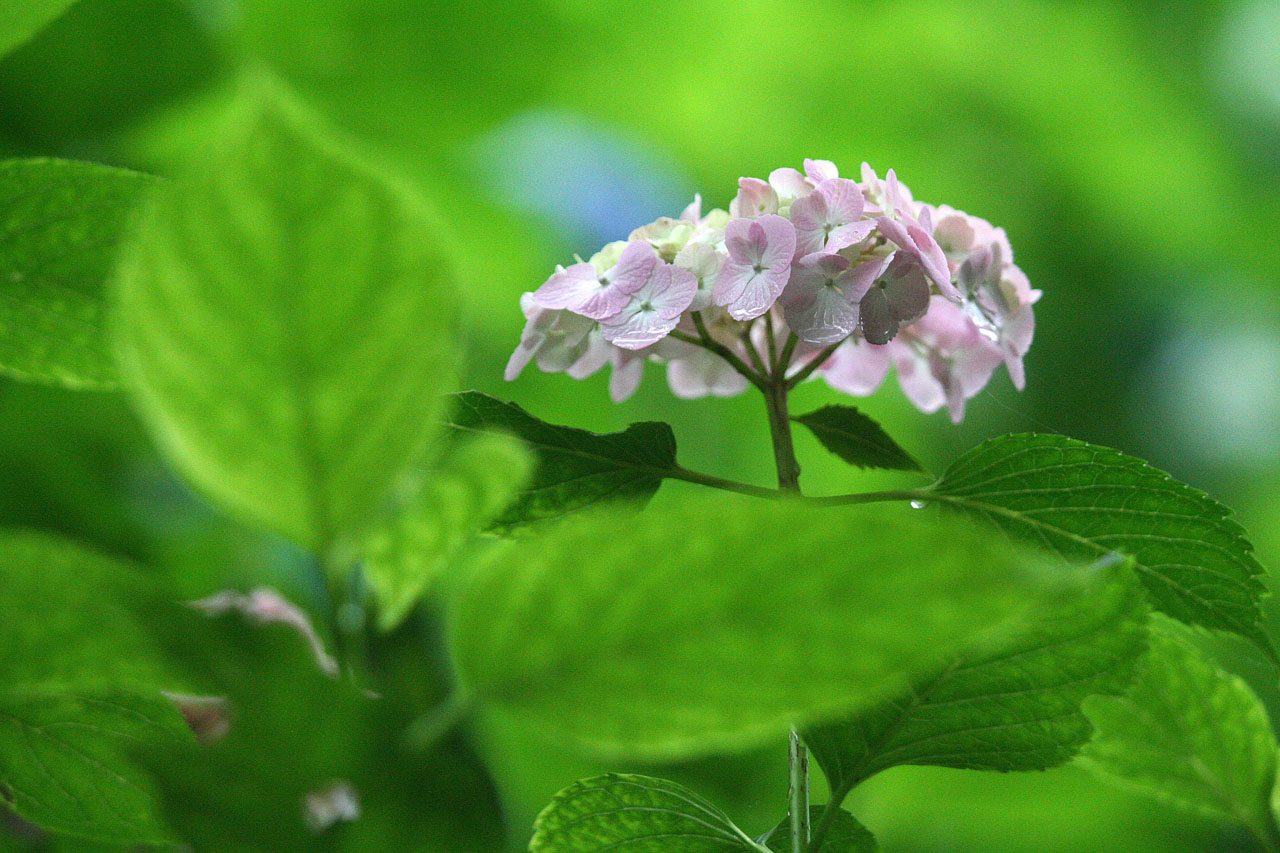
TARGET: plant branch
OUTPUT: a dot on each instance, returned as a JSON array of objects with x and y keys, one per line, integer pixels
[
  {"x": 770, "y": 343},
  {"x": 710, "y": 344},
  {"x": 813, "y": 365},
  {"x": 798, "y": 758},
  {"x": 752, "y": 352},
  {"x": 828, "y": 819},
  {"x": 788, "y": 352},
  {"x": 719, "y": 483}
]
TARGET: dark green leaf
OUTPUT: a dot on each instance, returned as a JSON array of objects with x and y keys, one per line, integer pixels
[
  {"x": 1007, "y": 702},
  {"x": 637, "y": 813},
  {"x": 1084, "y": 501},
  {"x": 845, "y": 834},
  {"x": 1187, "y": 733},
  {"x": 475, "y": 481},
  {"x": 288, "y": 324},
  {"x": 60, "y": 225},
  {"x": 857, "y": 439},
  {"x": 713, "y": 621},
  {"x": 21, "y": 19},
  {"x": 576, "y": 469}
]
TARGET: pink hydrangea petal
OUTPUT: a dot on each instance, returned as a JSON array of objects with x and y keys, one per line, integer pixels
[
  {"x": 628, "y": 370},
  {"x": 593, "y": 358},
  {"x": 820, "y": 170},
  {"x": 704, "y": 374},
  {"x": 857, "y": 367},
  {"x": 755, "y": 198},
  {"x": 849, "y": 235},
  {"x": 568, "y": 287},
  {"x": 693, "y": 213},
  {"x": 780, "y": 242},
  {"x": 879, "y": 324},
  {"x": 827, "y": 317},
  {"x": 790, "y": 183}
]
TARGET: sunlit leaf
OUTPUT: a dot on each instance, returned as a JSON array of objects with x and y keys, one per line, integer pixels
[
  {"x": 287, "y": 324},
  {"x": 714, "y": 621},
  {"x": 1006, "y": 702},
  {"x": 1084, "y": 501},
  {"x": 1187, "y": 733},
  {"x": 636, "y": 813},
  {"x": 475, "y": 481},
  {"x": 60, "y": 225},
  {"x": 576, "y": 469},
  {"x": 21, "y": 19}
]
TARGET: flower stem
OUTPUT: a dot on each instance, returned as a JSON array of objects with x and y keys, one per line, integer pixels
[
  {"x": 813, "y": 365},
  {"x": 784, "y": 452},
  {"x": 798, "y": 758}
]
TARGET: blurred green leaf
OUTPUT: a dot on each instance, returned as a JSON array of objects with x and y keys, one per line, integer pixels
[
  {"x": 576, "y": 469},
  {"x": 80, "y": 680},
  {"x": 845, "y": 835},
  {"x": 638, "y": 813},
  {"x": 287, "y": 324},
  {"x": 60, "y": 225},
  {"x": 64, "y": 765},
  {"x": 714, "y": 621},
  {"x": 1007, "y": 702},
  {"x": 69, "y": 616},
  {"x": 1082, "y": 500},
  {"x": 857, "y": 439},
  {"x": 21, "y": 19},
  {"x": 406, "y": 555},
  {"x": 1187, "y": 733}
]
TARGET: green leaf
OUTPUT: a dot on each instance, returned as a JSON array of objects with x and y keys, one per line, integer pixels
[
  {"x": 845, "y": 834},
  {"x": 60, "y": 226},
  {"x": 1007, "y": 702},
  {"x": 64, "y": 763},
  {"x": 714, "y": 621},
  {"x": 287, "y": 324},
  {"x": 636, "y": 813},
  {"x": 21, "y": 19},
  {"x": 80, "y": 680},
  {"x": 71, "y": 616},
  {"x": 1187, "y": 733},
  {"x": 576, "y": 469},
  {"x": 406, "y": 555},
  {"x": 857, "y": 439},
  {"x": 1084, "y": 501}
]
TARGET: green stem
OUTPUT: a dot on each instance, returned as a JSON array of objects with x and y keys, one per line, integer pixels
[
  {"x": 752, "y": 352},
  {"x": 430, "y": 728},
  {"x": 719, "y": 483},
  {"x": 813, "y": 365},
  {"x": 828, "y": 819},
  {"x": 784, "y": 452},
  {"x": 705, "y": 341},
  {"x": 788, "y": 352},
  {"x": 798, "y": 759},
  {"x": 770, "y": 343}
]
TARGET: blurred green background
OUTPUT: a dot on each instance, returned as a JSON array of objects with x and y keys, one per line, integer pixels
[{"x": 1131, "y": 148}]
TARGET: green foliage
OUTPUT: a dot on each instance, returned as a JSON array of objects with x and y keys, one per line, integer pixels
[
  {"x": 80, "y": 677},
  {"x": 644, "y": 636},
  {"x": 1083, "y": 501},
  {"x": 638, "y": 813},
  {"x": 1189, "y": 734},
  {"x": 287, "y": 324},
  {"x": 576, "y": 469},
  {"x": 857, "y": 439},
  {"x": 21, "y": 19},
  {"x": 295, "y": 731},
  {"x": 60, "y": 225},
  {"x": 845, "y": 835},
  {"x": 64, "y": 765},
  {"x": 1010, "y": 701},
  {"x": 475, "y": 481}
]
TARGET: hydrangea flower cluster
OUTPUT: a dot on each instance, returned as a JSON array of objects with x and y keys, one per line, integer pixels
[{"x": 849, "y": 278}]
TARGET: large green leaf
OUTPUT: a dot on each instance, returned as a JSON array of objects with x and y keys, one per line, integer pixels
[
  {"x": 714, "y": 621},
  {"x": 635, "y": 813},
  {"x": 65, "y": 764},
  {"x": 857, "y": 439},
  {"x": 287, "y": 324},
  {"x": 1187, "y": 733},
  {"x": 403, "y": 557},
  {"x": 80, "y": 680},
  {"x": 60, "y": 226},
  {"x": 844, "y": 835},
  {"x": 1007, "y": 702},
  {"x": 576, "y": 469},
  {"x": 1083, "y": 501},
  {"x": 21, "y": 19}
]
